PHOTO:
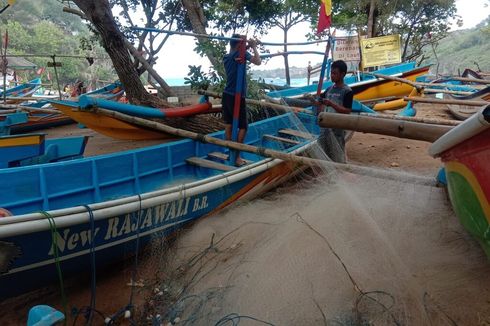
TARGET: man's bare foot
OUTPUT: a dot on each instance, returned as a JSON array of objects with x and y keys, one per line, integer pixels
[{"x": 240, "y": 162}]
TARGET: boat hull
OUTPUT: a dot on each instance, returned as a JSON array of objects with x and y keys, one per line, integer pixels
[
  {"x": 134, "y": 197},
  {"x": 387, "y": 88},
  {"x": 468, "y": 177},
  {"x": 109, "y": 126},
  {"x": 465, "y": 151}
]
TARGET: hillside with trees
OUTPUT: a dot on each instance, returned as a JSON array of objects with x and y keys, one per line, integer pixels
[
  {"x": 462, "y": 49},
  {"x": 44, "y": 29}
]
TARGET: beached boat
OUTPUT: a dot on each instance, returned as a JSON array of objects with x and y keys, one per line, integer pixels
[
  {"x": 11, "y": 119},
  {"x": 118, "y": 129},
  {"x": 462, "y": 112},
  {"x": 40, "y": 120},
  {"x": 465, "y": 152},
  {"x": 21, "y": 91},
  {"x": 29, "y": 149},
  {"x": 369, "y": 87},
  {"x": 138, "y": 194}
]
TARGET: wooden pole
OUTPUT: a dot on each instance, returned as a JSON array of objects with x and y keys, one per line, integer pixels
[
  {"x": 437, "y": 101},
  {"x": 56, "y": 75},
  {"x": 449, "y": 85},
  {"x": 375, "y": 125},
  {"x": 260, "y": 103},
  {"x": 28, "y": 98},
  {"x": 265, "y": 152},
  {"x": 446, "y": 91},
  {"x": 413, "y": 119},
  {"x": 471, "y": 80},
  {"x": 401, "y": 80}
]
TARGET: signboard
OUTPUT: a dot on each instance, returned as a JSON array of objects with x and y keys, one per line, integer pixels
[
  {"x": 54, "y": 64},
  {"x": 347, "y": 49},
  {"x": 380, "y": 51}
]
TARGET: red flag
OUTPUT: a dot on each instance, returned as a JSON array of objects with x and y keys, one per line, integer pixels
[{"x": 324, "y": 16}]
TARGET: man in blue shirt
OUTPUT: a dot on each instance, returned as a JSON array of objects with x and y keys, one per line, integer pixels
[{"x": 231, "y": 61}]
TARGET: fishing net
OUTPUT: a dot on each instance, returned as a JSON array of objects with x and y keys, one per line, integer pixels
[{"x": 326, "y": 248}]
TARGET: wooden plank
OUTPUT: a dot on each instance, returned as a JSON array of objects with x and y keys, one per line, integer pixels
[
  {"x": 224, "y": 157},
  {"x": 209, "y": 164},
  {"x": 281, "y": 139},
  {"x": 297, "y": 133}
]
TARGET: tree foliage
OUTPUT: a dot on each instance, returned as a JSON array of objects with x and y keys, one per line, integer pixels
[{"x": 42, "y": 28}]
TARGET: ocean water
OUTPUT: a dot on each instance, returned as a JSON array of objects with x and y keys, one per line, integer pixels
[{"x": 295, "y": 82}]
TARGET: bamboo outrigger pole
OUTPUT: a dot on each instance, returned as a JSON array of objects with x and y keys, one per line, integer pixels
[
  {"x": 388, "y": 127},
  {"x": 259, "y": 103},
  {"x": 265, "y": 152},
  {"x": 438, "y": 101}
]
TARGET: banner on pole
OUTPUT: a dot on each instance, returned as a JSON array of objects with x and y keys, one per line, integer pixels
[{"x": 380, "y": 51}]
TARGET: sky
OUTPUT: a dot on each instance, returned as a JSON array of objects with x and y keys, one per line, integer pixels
[{"x": 178, "y": 52}]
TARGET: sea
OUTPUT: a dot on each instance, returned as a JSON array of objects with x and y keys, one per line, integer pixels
[{"x": 295, "y": 82}]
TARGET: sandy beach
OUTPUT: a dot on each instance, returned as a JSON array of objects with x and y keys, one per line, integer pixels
[{"x": 324, "y": 249}]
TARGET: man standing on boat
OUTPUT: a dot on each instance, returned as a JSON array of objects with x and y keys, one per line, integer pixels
[
  {"x": 231, "y": 61},
  {"x": 336, "y": 98}
]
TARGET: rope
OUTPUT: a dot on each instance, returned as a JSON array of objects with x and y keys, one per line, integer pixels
[
  {"x": 91, "y": 308},
  {"x": 129, "y": 306},
  {"x": 235, "y": 318},
  {"x": 52, "y": 226}
]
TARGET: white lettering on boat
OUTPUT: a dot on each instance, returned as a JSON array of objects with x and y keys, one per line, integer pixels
[
  {"x": 72, "y": 240},
  {"x": 128, "y": 223}
]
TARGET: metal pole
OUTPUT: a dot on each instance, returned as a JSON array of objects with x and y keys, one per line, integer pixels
[{"x": 56, "y": 75}]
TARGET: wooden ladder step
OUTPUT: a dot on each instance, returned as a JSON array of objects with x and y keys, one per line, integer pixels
[
  {"x": 209, "y": 164},
  {"x": 281, "y": 139},
  {"x": 297, "y": 133},
  {"x": 224, "y": 157}
]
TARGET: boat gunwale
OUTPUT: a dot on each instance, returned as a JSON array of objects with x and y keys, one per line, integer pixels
[
  {"x": 36, "y": 222},
  {"x": 472, "y": 126}
]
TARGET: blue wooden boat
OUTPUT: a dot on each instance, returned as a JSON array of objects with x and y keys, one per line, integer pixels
[
  {"x": 352, "y": 81},
  {"x": 29, "y": 149},
  {"x": 11, "y": 119},
  {"x": 137, "y": 194},
  {"x": 21, "y": 91},
  {"x": 39, "y": 120}
]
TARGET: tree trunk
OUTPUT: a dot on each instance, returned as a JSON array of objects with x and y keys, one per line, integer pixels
[
  {"x": 100, "y": 15},
  {"x": 198, "y": 23},
  {"x": 371, "y": 20},
  {"x": 286, "y": 59},
  {"x": 98, "y": 12}
]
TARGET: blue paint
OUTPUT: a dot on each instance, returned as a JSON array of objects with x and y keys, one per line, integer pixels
[
  {"x": 32, "y": 85},
  {"x": 43, "y": 315},
  {"x": 11, "y": 120},
  {"x": 112, "y": 176},
  {"x": 87, "y": 102}
]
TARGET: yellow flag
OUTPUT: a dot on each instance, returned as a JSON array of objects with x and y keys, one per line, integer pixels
[{"x": 10, "y": 2}]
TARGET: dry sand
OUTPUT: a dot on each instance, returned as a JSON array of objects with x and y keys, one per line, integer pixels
[{"x": 296, "y": 256}]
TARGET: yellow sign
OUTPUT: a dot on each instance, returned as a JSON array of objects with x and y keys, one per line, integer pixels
[{"x": 380, "y": 51}]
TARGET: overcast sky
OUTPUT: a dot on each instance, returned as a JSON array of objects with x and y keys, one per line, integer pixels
[{"x": 178, "y": 52}]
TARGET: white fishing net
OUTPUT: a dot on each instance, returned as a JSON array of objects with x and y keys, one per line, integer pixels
[{"x": 328, "y": 248}]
